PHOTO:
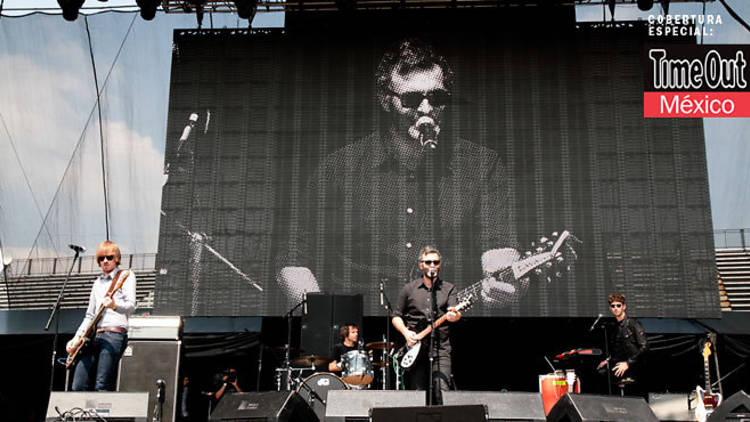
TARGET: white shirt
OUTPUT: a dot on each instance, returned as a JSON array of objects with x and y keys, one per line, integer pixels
[{"x": 124, "y": 299}]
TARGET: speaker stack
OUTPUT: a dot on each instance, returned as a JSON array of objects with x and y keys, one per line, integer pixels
[
  {"x": 510, "y": 406},
  {"x": 95, "y": 405},
  {"x": 588, "y": 407},
  {"x": 269, "y": 406}
]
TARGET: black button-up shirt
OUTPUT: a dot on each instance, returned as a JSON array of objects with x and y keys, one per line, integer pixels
[
  {"x": 415, "y": 303},
  {"x": 629, "y": 343}
]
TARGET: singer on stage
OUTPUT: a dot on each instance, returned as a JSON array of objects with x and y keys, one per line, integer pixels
[
  {"x": 412, "y": 182},
  {"x": 420, "y": 300},
  {"x": 99, "y": 359},
  {"x": 627, "y": 344}
]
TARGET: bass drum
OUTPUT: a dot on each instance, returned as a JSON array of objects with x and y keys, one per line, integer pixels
[{"x": 314, "y": 389}]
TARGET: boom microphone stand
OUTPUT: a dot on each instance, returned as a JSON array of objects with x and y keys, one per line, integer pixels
[
  {"x": 387, "y": 352},
  {"x": 54, "y": 315}
]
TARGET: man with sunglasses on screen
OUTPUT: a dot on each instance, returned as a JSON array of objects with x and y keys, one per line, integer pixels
[
  {"x": 628, "y": 345},
  {"x": 113, "y": 292},
  {"x": 412, "y": 182},
  {"x": 419, "y": 301}
]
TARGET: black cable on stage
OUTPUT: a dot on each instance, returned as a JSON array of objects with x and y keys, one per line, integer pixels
[
  {"x": 101, "y": 130},
  {"x": 735, "y": 15}
]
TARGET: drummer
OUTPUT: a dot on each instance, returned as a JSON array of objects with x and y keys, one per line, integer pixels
[{"x": 348, "y": 336}]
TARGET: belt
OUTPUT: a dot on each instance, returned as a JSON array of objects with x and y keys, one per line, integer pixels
[{"x": 120, "y": 330}]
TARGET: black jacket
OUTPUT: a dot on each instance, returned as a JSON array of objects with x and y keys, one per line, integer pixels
[{"x": 629, "y": 343}]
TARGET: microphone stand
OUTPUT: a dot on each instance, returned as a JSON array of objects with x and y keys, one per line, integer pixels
[
  {"x": 606, "y": 352},
  {"x": 287, "y": 357},
  {"x": 54, "y": 315},
  {"x": 387, "y": 352},
  {"x": 430, "y": 348}
]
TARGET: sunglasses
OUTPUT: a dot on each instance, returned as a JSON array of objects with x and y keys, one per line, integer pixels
[
  {"x": 413, "y": 99},
  {"x": 432, "y": 262},
  {"x": 107, "y": 257},
  {"x": 615, "y": 305}
]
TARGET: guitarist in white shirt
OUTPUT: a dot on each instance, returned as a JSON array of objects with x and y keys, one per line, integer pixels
[
  {"x": 412, "y": 314},
  {"x": 99, "y": 359}
]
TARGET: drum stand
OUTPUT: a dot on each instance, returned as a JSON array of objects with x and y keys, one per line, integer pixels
[{"x": 387, "y": 352}]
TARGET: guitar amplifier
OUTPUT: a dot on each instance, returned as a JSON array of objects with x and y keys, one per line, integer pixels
[{"x": 155, "y": 328}]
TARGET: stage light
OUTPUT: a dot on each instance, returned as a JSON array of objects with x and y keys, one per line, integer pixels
[
  {"x": 148, "y": 8},
  {"x": 246, "y": 8},
  {"x": 70, "y": 8},
  {"x": 645, "y": 4}
]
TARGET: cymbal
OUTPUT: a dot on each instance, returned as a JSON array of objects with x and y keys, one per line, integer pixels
[
  {"x": 311, "y": 360},
  {"x": 380, "y": 345}
]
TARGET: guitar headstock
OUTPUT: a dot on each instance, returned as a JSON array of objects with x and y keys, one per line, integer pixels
[
  {"x": 706, "y": 352},
  {"x": 465, "y": 301},
  {"x": 550, "y": 257}
]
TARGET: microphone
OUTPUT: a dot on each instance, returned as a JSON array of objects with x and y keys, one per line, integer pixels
[
  {"x": 78, "y": 249},
  {"x": 381, "y": 293},
  {"x": 428, "y": 131},
  {"x": 304, "y": 301},
  {"x": 160, "y": 392},
  {"x": 595, "y": 322},
  {"x": 192, "y": 120},
  {"x": 432, "y": 272},
  {"x": 360, "y": 344}
]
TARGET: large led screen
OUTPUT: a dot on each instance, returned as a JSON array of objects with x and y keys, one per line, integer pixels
[{"x": 324, "y": 160}]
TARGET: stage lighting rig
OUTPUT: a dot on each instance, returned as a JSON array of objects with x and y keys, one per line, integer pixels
[
  {"x": 70, "y": 8},
  {"x": 148, "y": 8},
  {"x": 246, "y": 8}
]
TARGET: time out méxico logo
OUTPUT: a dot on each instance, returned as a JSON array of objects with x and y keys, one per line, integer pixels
[{"x": 696, "y": 81}]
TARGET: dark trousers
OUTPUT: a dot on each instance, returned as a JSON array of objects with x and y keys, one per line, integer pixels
[
  {"x": 418, "y": 376},
  {"x": 99, "y": 360}
]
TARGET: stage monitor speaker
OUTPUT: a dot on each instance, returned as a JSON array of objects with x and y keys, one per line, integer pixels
[
  {"x": 96, "y": 405},
  {"x": 145, "y": 362},
  {"x": 588, "y": 407},
  {"x": 671, "y": 407},
  {"x": 325, "y": 314},
  {"x": 355, "y": 405},
  {"x": 510, "y": 406},
  {"x": 735, "y": 408},
  {"x": 463, "y": 413},
  {"x": 268, "y": 406}
]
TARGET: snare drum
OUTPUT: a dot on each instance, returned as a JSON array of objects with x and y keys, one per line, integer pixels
[
  {"x": 357, "y": 368},
  {"x": 316, "y": 387}
]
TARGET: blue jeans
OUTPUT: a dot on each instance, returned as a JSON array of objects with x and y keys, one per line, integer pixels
[{"x": 100, "y": 358}]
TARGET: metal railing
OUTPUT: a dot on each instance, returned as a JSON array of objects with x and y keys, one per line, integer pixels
[
  {"x": 86, "y": 265},
  {"x": 732, "y": 238}
]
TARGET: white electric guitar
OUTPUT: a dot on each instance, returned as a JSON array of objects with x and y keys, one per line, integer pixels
[{"x": 547, "y": 251}]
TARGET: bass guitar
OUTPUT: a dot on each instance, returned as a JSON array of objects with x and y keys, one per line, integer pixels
[
  {"x": 705, "y": 399},
  {"x": 546, "y": 253},
  {"x": 88, "y": 335}
]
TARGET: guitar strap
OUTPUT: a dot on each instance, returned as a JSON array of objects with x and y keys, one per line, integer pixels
[{"x": 115, "y": 280}]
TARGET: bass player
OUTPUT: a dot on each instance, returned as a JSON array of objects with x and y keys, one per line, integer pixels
[{"x": 113, "y": 300}]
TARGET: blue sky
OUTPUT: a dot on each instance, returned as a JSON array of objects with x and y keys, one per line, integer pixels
[{"x": 48, "y": 131}]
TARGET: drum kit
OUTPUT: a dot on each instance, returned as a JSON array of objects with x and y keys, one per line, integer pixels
[{"x": 358, "y": 373}]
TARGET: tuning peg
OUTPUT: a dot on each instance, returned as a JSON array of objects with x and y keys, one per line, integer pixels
[
  {"x": 550, "y": 243},
  {"x": 527, "y": 254},
  {"x": 543, "y": 239},
  {"x": 560, "y": 260},
  {"x": 558, "y": 274},
  {"x": 538, "y": 271},
  {"x": 555, "y": 234},
  {"x": 548, "y": 264},
  {"x": 539, "y": 249}
]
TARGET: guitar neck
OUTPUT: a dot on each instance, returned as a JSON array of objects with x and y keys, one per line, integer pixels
[
  {"x": 707, "y": 374},
  {"x": 422, "y": 334}
]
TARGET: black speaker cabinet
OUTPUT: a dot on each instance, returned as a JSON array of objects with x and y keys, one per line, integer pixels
[
  {"x": 325, "y": 314},
  {"x": 464, "y": 413},
  {"x": 268, "y": 406},
  {"x": 735, "y": 408},
  {"x": 509, "y": 406},
  {"x": 355, "y": 405},
  {"x": 587, "y": 407},
  {"x": 143, "y": 363},
  {"x": 95, "y": 405},
  {"x": 671, "y": 407}
]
